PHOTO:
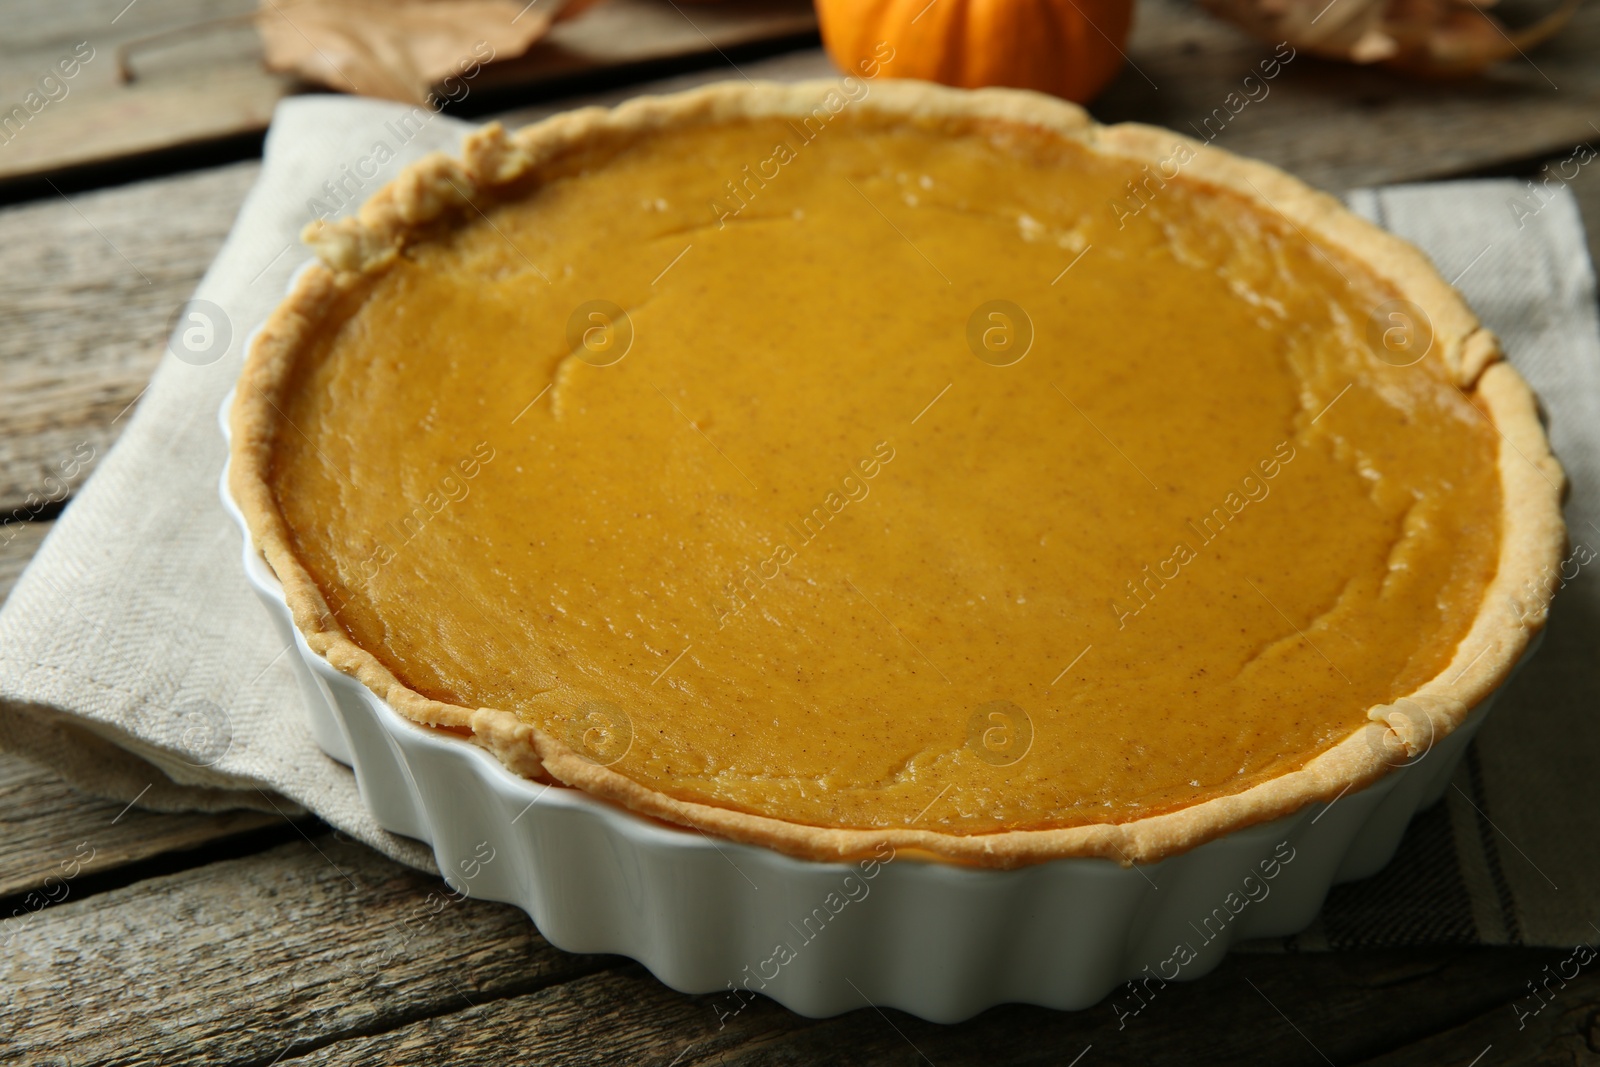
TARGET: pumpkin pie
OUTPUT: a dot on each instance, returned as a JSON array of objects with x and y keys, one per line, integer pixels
[{"x": 843, "y": 463}]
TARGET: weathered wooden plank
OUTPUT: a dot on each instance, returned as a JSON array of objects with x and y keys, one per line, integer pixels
[
  {"x": 51, "y": 834},
  {"x": 622, "y": 32},
  {"x": 1253, "y": 1009},
  {"x": 32, "y": 26},
  {"x": 798, "y": 65},
  {"x": 210, "y": 84},
  {"x": 1556, "y": 1019},
  {"x": 623, "y": 1016},
  {"x": 239, "y": 961},
  {"x": 92, "y": 283},
  {"x": 352, "y": 958},
  {"x": 1230, "y": 1017},
  {"x": 1339, "y": 126},
  {"x": 190, "y": 88}
]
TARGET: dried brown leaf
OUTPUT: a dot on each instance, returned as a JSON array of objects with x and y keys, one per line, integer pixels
[
  {"x": 1431, "y": 38},
  {"x": 399, "y": 49}
]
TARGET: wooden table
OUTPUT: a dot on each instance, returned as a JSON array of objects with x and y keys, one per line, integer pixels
[{"x": 248, "y": 939}]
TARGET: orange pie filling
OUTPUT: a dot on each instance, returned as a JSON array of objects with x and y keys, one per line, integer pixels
[{"x": 891, "y": 477}]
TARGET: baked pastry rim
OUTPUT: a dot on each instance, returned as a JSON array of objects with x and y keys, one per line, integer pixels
[{"x": 1513, "y": 610}]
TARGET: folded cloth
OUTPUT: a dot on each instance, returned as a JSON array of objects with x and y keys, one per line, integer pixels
[{"x": 135, "y": 661}]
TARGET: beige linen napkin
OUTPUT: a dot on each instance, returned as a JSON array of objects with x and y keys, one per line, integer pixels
[{"x": 132, "y": 653}]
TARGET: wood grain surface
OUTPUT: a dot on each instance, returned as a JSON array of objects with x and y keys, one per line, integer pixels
[
  {"x": 234, "y": 961},
  {"x": 320, "y": 949},
  {"x": 136, "y": 938},
  {"x": 1232, "y": 1017},
  {"x": 1555, "y": 1020},
  {"x": 55, "y": 835},
  {"x": 92, "y": 283}
]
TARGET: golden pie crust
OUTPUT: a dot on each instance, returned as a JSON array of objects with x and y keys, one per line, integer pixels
[{"x": 438, "y": 190}]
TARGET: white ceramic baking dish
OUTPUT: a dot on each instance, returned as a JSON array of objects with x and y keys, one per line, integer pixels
[{"x": 940, "y": 941}]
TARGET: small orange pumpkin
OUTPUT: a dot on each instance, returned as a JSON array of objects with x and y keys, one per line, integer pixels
[{"x": 1071, "y": 48}]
